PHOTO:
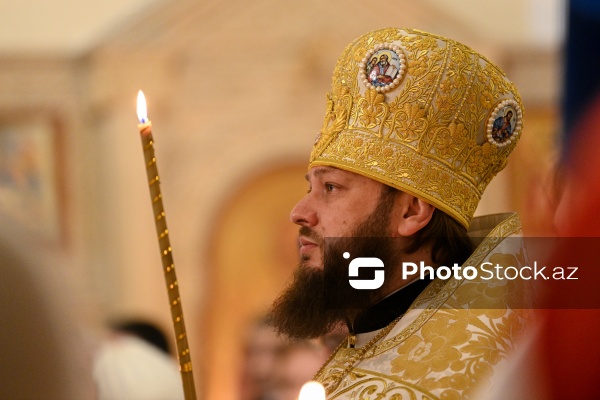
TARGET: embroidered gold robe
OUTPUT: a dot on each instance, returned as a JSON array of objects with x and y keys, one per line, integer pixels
[{"x": 453, "y": 337}]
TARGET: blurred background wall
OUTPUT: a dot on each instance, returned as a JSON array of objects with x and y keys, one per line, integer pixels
[{"x": 236, "y": 92}]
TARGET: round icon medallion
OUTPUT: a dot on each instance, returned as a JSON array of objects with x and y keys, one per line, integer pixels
[
  {"x": 504, "y": 123},
  {"x": 383, "y": 67}
]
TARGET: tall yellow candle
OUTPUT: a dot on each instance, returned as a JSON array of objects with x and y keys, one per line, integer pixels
[{"x": 160, "y": 221}]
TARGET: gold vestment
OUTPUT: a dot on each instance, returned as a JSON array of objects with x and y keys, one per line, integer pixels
[{"x": 452, "y": 338}]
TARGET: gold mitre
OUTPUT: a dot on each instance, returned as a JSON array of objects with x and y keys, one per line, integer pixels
[{"x": 421, "y": 113}]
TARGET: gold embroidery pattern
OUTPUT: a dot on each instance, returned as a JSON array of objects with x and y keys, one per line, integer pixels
[{"x": 427, "y": 136}]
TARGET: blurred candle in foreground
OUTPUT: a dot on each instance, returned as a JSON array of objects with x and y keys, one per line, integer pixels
[
  {"x": 312, "y": 391},
  {"x": 160, "y": 221}
]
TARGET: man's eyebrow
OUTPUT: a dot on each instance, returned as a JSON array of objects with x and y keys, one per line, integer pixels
[{"x": 320, "y": 171}]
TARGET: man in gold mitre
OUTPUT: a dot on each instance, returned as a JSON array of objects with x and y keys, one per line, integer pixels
[{"x": 408, "y": 158}]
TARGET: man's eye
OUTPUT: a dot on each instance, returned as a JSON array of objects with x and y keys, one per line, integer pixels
[{"x": 329, "y": 187}]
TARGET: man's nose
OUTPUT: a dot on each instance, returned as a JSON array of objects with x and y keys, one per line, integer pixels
[{"x": 303, "y": 213}]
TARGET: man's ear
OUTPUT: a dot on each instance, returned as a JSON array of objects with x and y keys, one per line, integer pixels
[{"x": 412, "y": 214}]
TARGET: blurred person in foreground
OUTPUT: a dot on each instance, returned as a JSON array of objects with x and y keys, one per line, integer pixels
[
  {"x": 45, "y": 347},
  {"x": 408, "y": 158},
  {"x": 133, "y": 362},
  {"x": 567, "y": 349}
]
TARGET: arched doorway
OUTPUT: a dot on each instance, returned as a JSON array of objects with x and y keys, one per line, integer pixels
[{"x": 253, "y": 254}]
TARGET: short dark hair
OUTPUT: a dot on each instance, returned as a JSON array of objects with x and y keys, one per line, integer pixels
[
  {"x": 144, "y": 330},
  {"x": 449, "y": 240}
]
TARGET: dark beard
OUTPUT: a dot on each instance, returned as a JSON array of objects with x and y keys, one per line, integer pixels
[
  {"x": 308, "y": 308},
  {"x": 300, "y": 312}
]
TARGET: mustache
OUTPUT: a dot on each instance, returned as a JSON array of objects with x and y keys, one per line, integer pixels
[{"x": 311, "y": 234}]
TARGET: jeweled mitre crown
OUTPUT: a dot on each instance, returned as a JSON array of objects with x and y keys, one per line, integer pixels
[{"x": 421, "y": 113}]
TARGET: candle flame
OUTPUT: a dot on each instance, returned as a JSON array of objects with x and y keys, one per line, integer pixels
[
  {"x": 312, "y": 391},
  {"x": 142, "y": 111}
]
